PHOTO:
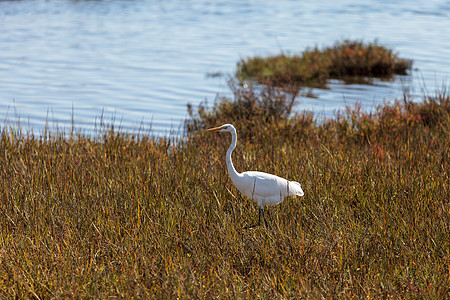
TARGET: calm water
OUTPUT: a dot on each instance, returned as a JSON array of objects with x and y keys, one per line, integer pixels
[{"x": 141, "y": 61}]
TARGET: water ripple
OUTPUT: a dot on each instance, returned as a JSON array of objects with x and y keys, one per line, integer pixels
[{"x": 141, "y": 62}]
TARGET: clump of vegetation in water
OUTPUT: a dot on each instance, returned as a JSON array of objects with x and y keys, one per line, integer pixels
[
  {"x": 346, "y": 60},
  {"x": 119, "y": 215}
]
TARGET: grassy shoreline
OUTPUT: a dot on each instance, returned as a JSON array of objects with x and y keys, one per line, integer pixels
[{"x": 120, "y": 216}]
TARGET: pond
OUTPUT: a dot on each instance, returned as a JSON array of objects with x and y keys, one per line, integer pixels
[{"x": 138, "y": 63}]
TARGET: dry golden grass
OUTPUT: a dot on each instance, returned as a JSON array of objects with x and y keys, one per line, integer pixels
[{"x": 118, "y": 215}]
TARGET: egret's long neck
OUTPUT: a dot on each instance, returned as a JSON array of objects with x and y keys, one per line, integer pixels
[{"x": 231, "y": 170}]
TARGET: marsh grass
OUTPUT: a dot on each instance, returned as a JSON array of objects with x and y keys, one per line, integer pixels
[
  {"x": 347, "y": 60},
  {"x": 116, "y": 215}
]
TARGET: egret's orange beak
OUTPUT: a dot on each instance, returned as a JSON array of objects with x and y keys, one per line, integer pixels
[{"x": 214, "y": 129}]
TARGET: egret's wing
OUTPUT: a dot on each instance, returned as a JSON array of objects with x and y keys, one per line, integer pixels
[{"x": 266, "y": 185}]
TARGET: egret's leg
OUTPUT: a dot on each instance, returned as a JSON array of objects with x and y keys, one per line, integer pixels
[
  {"x": 264, "y": 217},
  {"x": 261, "y": 209},
  {"x": 259, "y": 216}
]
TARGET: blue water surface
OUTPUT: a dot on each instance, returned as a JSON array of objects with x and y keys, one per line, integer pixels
[{"x": 139, "y": 62}]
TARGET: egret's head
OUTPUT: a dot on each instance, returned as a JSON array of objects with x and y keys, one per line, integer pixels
[{"x": 225, "y": 127}]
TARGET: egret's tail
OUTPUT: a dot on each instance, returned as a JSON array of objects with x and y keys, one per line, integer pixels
[{"x": 295, "y": 189}]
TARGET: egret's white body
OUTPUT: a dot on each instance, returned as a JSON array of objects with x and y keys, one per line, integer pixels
[
  {"x": 266, "y": 189},
  {"x": 263, "y": 188}
]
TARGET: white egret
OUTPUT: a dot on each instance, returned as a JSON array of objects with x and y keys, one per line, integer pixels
[{"x": 263, "y": 188}]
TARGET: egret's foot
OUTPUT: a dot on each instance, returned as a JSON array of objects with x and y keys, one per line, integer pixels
[{"x": 251, "y": 226}]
